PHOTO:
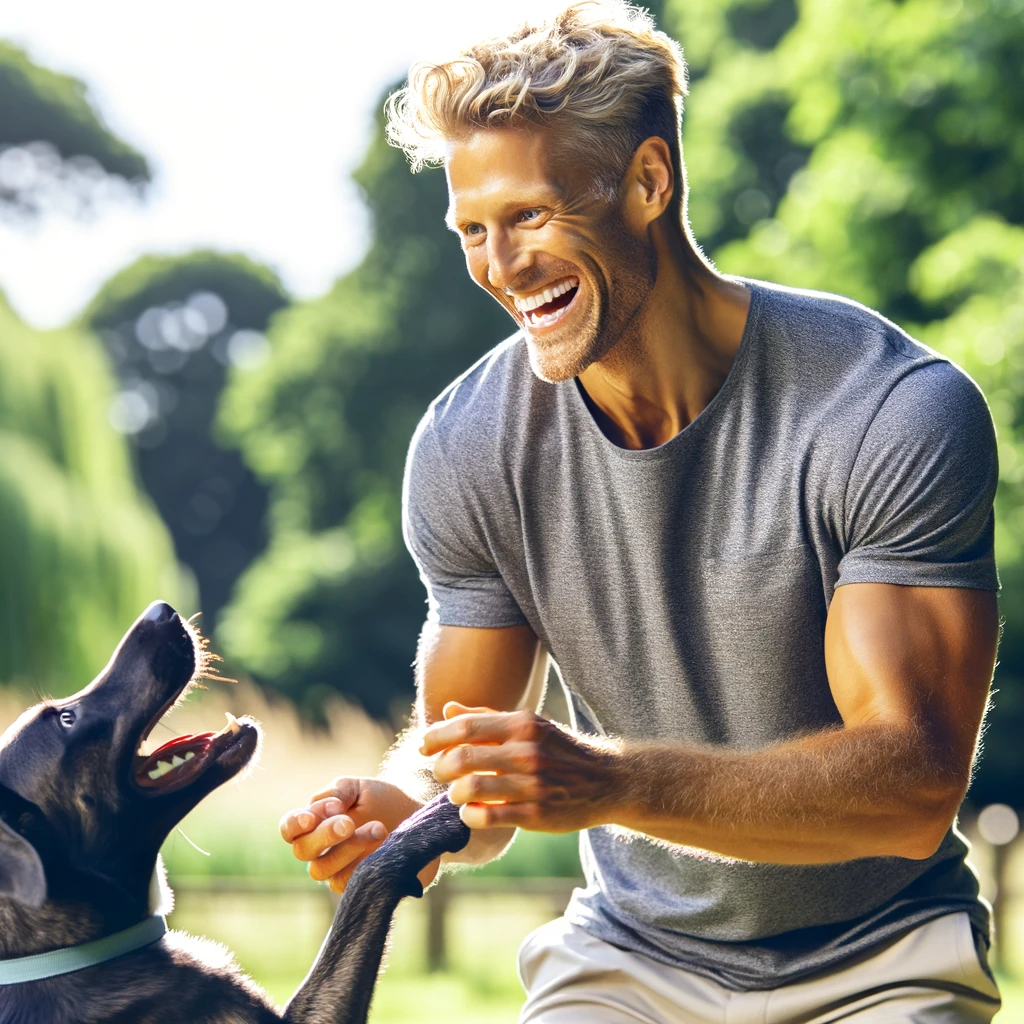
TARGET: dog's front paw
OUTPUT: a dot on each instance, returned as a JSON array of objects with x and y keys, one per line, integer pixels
[{"x": 434, "y": 829}]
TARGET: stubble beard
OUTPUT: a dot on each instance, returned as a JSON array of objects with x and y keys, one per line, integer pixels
[{"x": 602, "y": 332}]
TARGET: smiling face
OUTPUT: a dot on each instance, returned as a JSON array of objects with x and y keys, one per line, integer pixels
[{"x": 548, "y": 245}]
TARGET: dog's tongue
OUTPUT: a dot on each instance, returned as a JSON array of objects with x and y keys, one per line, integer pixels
[{"x": 187, "y": 738}]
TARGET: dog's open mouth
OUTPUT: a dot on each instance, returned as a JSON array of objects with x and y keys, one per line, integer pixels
[
  {"x": 179, "y": 661},
  {"x": 183, "y": 759}
]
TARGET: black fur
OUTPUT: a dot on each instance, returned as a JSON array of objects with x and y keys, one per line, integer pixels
[{"x": 79, "y": 840}]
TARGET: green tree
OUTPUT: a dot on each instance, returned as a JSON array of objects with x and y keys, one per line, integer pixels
[
  {"x": 54, "y": 146},
  {"x": 82, "y": 554},
  {"x": 334, "y": 605},
  {"x": 81, "y": 551},
  {"x": 175, "y": 327}
]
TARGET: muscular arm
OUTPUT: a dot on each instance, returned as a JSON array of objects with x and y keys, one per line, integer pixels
[
  {"x": 909, "y": 669},
  {"x": 498, "y": 669}
]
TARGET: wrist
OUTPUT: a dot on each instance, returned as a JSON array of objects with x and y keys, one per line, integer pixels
[{"x": 613, "y": 785}]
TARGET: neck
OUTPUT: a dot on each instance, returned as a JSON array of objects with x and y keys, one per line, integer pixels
[
  {"x": 676, "y": 353},
  {"x": 84, "y": 909},
  {"x": 25, "y": 931}
]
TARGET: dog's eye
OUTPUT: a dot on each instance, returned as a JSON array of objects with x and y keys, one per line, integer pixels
[{"x": 68, "y": 718}]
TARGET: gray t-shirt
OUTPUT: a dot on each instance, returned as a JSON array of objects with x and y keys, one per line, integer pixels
[{"x": 682, "y": 591}]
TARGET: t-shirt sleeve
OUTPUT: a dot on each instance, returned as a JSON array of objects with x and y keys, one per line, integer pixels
[
  {"x": 464, "y": 588},
  {"x": 918, "y": 507}
]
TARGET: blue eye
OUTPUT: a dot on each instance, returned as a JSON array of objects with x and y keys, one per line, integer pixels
[
  {"x": 68, "y": 718},
  {"x": 529, "y": 214}
]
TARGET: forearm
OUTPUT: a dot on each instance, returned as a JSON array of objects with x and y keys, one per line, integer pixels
[{"x": 868, "y": 790}]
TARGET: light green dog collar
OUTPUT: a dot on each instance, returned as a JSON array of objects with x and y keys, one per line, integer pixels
[{"x": 89, "y": 954}]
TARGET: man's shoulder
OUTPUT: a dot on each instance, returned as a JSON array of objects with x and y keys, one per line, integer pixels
[
  {"x": 844, "y": 359},
  {"x": 836, "y": 325},
  {"x": 476, "y": 410}
]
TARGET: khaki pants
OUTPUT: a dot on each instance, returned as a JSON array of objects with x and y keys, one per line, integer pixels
[{"x": 932, "y": 974}]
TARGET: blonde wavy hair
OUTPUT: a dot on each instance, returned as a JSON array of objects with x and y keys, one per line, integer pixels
[{"x": 598, "y": 70}]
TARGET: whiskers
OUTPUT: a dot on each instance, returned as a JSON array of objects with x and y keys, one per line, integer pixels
[{"x": 205, "y": 658}]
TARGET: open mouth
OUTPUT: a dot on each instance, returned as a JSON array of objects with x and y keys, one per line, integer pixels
[
  {"x": 182, "y": 760},
  {"x": 543, "y": 309}
]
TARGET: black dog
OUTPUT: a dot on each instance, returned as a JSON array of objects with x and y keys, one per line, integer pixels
[{"x": 82, "y": 818}]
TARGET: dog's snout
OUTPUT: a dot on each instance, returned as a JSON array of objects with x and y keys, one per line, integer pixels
[{"x": 158, "y": 612}]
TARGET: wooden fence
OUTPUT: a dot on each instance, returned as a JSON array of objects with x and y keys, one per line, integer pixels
[{"x": 439, "y": 899}]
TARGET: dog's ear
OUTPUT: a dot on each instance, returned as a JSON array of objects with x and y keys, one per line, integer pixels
[
  {"x": 21, "y": 870},
  {"x": 22, "y": 876}
]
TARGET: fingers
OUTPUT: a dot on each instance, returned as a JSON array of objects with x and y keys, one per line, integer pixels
[
  {"x": 453, "y": 708},
  {"x": 344, "y": 789},
  {"x": 344, "y": 857},
  {"x": 295, "y": 823},
  {"x": 525, "y": 815},
  {"x": 329, "y": 803},
  {"x": 493, "y": 727},
  {"x": 329, "y": 808},
  {"x": 512, "y": 758},
  {"x": 495, "y": 788},
  {"x": 327, "y": 834}
]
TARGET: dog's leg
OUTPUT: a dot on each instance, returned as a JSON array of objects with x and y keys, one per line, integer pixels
[{"x": 340, "y": 986}]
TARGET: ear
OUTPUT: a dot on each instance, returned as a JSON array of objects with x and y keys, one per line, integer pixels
[
  {"x": 650, "y": 182},
  {"x": 21, "y": 870}
]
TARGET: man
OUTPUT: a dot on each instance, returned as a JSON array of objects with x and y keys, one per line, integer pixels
[{"x": 753, "y": 527}]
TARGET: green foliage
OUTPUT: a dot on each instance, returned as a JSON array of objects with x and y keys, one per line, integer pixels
[
  {"x": 54, "y": 137},
  {"x": 175, "y": 328},
  {"x": 82, "y": 555},
  {"x": 335, "y": 604}
]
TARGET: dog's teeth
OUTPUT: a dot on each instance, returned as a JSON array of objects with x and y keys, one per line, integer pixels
[
  {"x": 176, "y": 760},
  {"x": 232, "y": 726},
  {"x": 161, "y": 769},
  {"x": 190, "y": 755}
]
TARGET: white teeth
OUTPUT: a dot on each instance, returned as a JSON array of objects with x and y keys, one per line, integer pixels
[
  {"x": 548, "y": 319},
  {"x": 161, "y": 769},
  {"x": 232, "y": 725},
  {"x": 545, "y": 296},
  {"x": 177, "y": 760}
]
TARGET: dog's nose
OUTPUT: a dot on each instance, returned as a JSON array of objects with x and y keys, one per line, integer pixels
[{"x": 159, "y": 611}]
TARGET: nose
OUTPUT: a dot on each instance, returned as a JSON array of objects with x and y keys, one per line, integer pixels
[
  {"x": 505, "y": 261},
  {"x": 158, "y": 612}
]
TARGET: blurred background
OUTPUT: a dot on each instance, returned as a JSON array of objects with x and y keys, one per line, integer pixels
[{"x": 225, "y": 302}]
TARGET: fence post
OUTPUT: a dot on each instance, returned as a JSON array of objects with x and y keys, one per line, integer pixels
[{"x": 437, "y": 913}]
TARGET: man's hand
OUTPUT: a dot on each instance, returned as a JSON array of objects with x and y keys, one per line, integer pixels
[
  {"x": 519, "y": 769},
  {"x": 344, "y": 824}
]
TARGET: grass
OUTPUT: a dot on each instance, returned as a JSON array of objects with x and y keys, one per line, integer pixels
[
  {"x": 276, "y": 938},
  {"x": 1013, "y": 1001}
]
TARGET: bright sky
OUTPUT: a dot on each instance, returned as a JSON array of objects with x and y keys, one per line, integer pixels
[{"x": 252, "y": 117}]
